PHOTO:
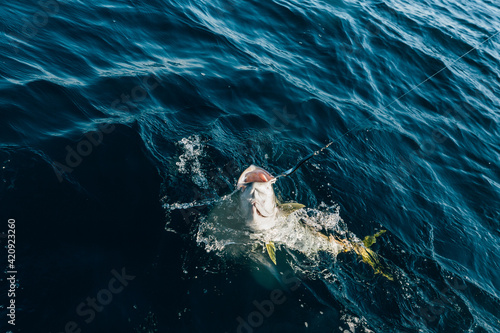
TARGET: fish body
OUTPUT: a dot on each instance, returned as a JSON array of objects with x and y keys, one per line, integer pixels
[{"x": 260, "y": 209}]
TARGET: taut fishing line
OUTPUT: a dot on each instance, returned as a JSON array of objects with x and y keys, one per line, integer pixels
[
  {"x": 317, "y": 152},
  {"x": 308, "y": 157}
]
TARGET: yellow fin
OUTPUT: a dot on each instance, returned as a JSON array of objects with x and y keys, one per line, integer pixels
[
  {"x": 368, "y": 256},
  {"x": 290, "y": 207},
  {"x": 271, "y": 250},
  {"x": 370, "y": 240},
  {"x": 371, "y": 258}
]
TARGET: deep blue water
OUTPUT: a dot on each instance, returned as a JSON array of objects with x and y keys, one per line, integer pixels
[{"x": 115, "y": 113}]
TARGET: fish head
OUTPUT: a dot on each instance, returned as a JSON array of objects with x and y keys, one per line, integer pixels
[{"x": 257, "y": 200}]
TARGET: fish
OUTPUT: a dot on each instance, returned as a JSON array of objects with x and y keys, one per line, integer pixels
[
  {"x": 258, "y": 203},
  {"x": 260, "y": 209}
]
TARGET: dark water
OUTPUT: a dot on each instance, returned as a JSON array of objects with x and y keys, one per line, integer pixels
[{"x": 113, "y": 112}]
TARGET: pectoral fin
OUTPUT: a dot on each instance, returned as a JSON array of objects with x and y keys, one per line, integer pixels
[
  {"x": 271, "y": 250},
  {"x": 290, "y": 207}
]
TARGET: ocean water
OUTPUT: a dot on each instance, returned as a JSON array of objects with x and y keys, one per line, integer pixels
[{"x": 125, "y": 124}]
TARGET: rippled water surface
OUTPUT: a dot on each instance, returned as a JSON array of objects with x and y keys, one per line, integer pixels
[{"x": 124, "y": 126}]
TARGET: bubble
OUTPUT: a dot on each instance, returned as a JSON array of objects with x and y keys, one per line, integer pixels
[{"x": 189, "y": 160}]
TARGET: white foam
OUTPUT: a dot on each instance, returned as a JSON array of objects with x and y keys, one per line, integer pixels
[
  {"x": 189, "y": 160},
  {"x": 222, "y": 231}
]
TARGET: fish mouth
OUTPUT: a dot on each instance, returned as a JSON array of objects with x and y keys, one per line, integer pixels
[
  {"x": 254, "y": 174},
  {"x": 259, "y": 176}
]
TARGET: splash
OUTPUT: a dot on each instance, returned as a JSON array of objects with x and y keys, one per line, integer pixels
[
  {"x": 311, "y": 236},
  {"x": 303, "y": 231},
  {"x": 188, "y": 205},
  {"x": 222, "y": 231},
  {"x": 354, "y": 324},
  {"x": 189, "y": 160}
]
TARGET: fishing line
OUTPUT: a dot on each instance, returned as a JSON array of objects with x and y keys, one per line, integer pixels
[{"x": 308, "y": 157}]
